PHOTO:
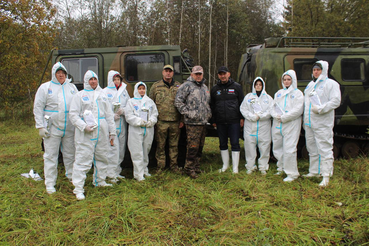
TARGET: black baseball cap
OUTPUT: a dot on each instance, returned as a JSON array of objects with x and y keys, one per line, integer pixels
[{"x": 223, "y": 69}]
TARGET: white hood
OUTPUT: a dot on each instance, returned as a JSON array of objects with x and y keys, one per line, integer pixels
[
  {"x": 292, "y": 74},
  {"x": 57, "y": 66},
  {"x": 137, "y": 96},
  {"x": 253, "y": 85},
  {"x": 324, "y": 74},
  {"x": 111, "y": 75},
  {"x": 112, "y": 86},
  {"x": 88, "y": 75}
]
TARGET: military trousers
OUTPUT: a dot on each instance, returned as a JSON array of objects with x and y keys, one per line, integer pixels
[
  {"x": 167, "y": 130},
  {"x": 195, "y": 143}
]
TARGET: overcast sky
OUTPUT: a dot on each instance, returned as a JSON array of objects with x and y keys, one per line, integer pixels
[{"x": 278, "y": 9}]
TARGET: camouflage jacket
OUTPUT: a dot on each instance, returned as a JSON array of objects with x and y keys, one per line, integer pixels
[
  {"x": 192, "y": 101},
  {"x": 164, "y": 96}
]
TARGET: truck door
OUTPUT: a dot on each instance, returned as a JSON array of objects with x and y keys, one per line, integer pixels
[
  {"x": 352, "y": 71},
  {"x": 246, "y": 73}
]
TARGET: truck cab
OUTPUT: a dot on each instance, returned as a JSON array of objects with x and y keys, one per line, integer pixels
[
  {"x": 348, "y": 60},
  {"x": 136, "y": 63}
]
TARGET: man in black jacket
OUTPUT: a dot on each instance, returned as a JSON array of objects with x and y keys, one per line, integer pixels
[{"x": 226, "y": 98}]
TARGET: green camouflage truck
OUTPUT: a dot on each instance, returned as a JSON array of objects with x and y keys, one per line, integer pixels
[
  {"x": 348, "y": 60},
  {"x": 135, "y": 63}
]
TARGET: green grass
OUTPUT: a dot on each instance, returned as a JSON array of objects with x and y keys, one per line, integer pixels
[{"x": 215, "y": 209}]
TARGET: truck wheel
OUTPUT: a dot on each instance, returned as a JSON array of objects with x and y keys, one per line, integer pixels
[
  {"x": 350, "y": 149},
  {"x": 366, "y": 150},
  {"x": 336, "y": 151},
  {"x": 304, "y": 153}
]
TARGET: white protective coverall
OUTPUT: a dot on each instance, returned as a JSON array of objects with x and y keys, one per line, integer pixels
[
  {"x": 54, "y": 99},
  {"x": 140, "y": 134},
  {"x": 286, "y": 131},
  {"x": 91, "y": 146},
  {"x": 319, "y": 127},
  {"x": 256, "y": 131},
  {"x": 116, "y": 152}
]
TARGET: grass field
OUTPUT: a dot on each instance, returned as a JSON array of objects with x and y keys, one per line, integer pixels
[{"x": 215, "y": 209}]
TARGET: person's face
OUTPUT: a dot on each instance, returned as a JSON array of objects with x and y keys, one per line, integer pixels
[
  {"x": 117, "y": 80},
  {"x": 93, "y": 83},
  {"x": 168, "y": 74},
  {"x": 317, "y": 72},
  {"x": 287, "y": 80},
  {"x": 258, "y": 86},
  {"x": 197, "y": 76},
  {"x": 224, "y": 76},
  {"x": 60, "y": 76},
  {"x": 141, "y": 90}
]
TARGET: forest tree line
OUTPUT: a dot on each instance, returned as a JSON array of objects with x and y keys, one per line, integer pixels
[{"x": 216, "y": 32}]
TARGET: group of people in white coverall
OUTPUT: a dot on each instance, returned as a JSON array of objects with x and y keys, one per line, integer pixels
[
  {"x": 90, "y": 128},
  {"x": 316, "y": 106}
]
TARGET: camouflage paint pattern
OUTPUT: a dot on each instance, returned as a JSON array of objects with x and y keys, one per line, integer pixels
[
  {"x": 114, "y": 58},
  {"x": 270, "y": 61}
]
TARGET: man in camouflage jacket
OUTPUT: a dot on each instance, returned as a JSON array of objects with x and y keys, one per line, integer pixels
[
  {"x": 192, "y": 101},
  {"x": 163, "y": 93}
]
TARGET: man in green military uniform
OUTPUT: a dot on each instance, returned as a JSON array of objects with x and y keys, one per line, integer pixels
[{"x": 163, "y": 93}]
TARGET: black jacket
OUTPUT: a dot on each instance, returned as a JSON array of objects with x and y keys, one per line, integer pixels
[{"x": 225, "y": 102}]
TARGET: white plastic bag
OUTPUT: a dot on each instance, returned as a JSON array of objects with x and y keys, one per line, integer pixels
[
  {"x": 278, "y": 109},
  {"x": 89, "y": 118},
  {"x": 256, "y": 106},
  {"x": 33, "y": 175},
  {"x": 314, "y": 98}
]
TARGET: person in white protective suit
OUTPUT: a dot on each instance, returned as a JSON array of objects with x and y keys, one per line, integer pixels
[
  {"x": 118, "y": 97},
  {"x": 255, "y": 108},
  {"x": 141, "y": 115},
  {"x": 91, "y": 114},
  {"x": 53, "y": 100},
  {"x": 287, "y": 117},
  {"x": 322, "y": 97}
]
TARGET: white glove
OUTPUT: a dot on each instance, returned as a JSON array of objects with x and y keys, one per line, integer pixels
[
  {"x": 120, "y": 111},
  {"x": 88, "y": 128},
  {"x": 142, "y": 123},
  {"x": 116, "y": 116},
  {"x": 149, "y": 124},
  {"x": 279, "y": 118},
  {"x": 257, "y": 117},
  {"x": 43, "y": 133},
  {"x": 315, "y": 108}
]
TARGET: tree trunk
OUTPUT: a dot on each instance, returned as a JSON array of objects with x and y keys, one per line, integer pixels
[
  {"x": 226, "y": 41},
  {"x": 215, "y": 60},
  {"x": 180, "y": 26},
  {"x": 210, "y": 25},
  {"x": 168, "y": 19},
  {"x": 199, "y": 51}
]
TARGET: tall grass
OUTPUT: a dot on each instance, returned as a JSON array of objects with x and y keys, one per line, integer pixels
[{"x": 169, "y": 209}]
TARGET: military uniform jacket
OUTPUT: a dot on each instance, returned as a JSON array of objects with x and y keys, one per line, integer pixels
[
  {"x": 164, "y": 96},
  {"x": 192, "y": 101},
  {"x": 225, "y": 102}
]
